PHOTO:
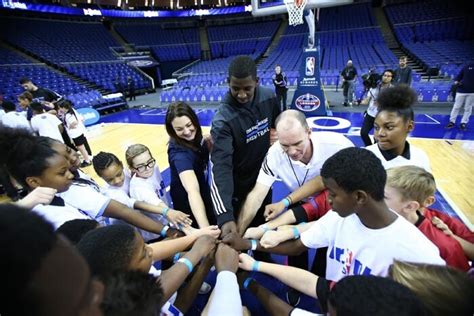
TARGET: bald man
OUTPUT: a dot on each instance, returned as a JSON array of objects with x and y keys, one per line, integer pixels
[{"x": 295, "y": 158}]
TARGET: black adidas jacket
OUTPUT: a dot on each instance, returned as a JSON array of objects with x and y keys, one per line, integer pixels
[{"x": 241, "y": 135}]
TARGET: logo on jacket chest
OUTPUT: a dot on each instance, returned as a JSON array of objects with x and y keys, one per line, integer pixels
[{"x": 256, "y": 131}]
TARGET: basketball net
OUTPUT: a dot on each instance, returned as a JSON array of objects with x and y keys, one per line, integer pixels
[{"x": 295, "y": 11}]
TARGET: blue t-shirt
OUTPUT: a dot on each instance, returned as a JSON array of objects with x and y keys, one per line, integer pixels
[{"x": 182, "y": 158}]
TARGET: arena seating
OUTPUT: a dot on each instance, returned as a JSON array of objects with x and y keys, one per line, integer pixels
[
  {"x": 104, "y": 75},
  {"x": 168, "y": 44}
]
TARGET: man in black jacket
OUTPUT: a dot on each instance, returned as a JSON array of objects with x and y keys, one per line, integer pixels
[{"x": 241, "y": 135}]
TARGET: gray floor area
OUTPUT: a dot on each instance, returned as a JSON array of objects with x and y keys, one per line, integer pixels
[{"x": 335, "y": 99}]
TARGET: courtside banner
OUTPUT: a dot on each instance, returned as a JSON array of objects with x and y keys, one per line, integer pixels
[
  {"x": 309, "y": 96},
  {"x": 90, "y": 116}
]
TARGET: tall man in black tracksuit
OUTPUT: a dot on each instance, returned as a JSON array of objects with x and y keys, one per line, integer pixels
[{"x": 241, "y": 135}]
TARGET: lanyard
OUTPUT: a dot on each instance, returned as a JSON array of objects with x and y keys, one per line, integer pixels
[{"x": 296, "y": 177}]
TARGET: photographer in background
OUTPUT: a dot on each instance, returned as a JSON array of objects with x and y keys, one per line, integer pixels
[
  {"x": 348, "y": 74},
  {"x": 372, "y": 110}
]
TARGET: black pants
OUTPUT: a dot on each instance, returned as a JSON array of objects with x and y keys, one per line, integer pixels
[
  {"x": 67, "y": 140},
  {"x": 281, "y": 95},
  {"x": 367, "y": 126}
]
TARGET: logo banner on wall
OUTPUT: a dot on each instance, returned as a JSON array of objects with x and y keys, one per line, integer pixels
[
  {"x": 90, "y": 115},
  {"x": 309, "y": 95}
]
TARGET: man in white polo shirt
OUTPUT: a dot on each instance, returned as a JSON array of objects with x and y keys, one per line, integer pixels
[
  {"x": 45, "y": 124},
  {"x": 296, "y": 158}
]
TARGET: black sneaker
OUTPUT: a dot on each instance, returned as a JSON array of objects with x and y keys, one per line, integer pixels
[
  {"x": 463, "y": 126},
  {"x": 346, "y": 104},
  {"x": 293, "y": 297},
  {"x": 450, "y": 125}
]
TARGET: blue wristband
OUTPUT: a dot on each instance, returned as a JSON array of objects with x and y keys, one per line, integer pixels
[
  {"x": 255, "y": 265},
  {"x": 164, "y": 230},
  {"x": 286, "y": 202},
  {"x": 247, "y": 282},
  {"x": 296, "y": 233},
  {"x": 253, "y": 244},
  {"x": 165, "y": 211},
  {"x": 188, "y": 263},
  {"x": 176, "y": 257},
  {"x": 265, "y": 227}
]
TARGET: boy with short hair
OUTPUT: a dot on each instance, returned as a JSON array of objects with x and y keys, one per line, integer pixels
[
  {"x": 363, "y": 235},
  {"x": 409, "y": 191}
]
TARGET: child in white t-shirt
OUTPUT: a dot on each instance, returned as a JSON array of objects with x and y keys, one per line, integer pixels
[
  {"x": 120, "y": 248},
  {"x": 75, "y": 129},
  {"x": 45, "y": 124},
  {"x": 117, "y": 179},
  {"x": 12, "y": 118},
  {"x": 362, "y": 234},
  {"x": 146, "y": 184}
]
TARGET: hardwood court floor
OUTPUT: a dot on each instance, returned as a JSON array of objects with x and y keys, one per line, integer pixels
[{"x": 451, "y": 160}]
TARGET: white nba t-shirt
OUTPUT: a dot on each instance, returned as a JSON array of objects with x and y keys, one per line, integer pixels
[
  {"x": 354, "y": 249},
  {"x": 59, "y": 214},
  {"x": 46, "y": 124},
  {"x": 16, "y": 120}
]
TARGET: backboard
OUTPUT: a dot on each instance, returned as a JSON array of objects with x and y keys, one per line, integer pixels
[{"x": 270, "y": 7}]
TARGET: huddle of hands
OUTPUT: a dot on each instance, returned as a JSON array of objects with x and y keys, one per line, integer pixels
[{"x": 226, "y": 258}]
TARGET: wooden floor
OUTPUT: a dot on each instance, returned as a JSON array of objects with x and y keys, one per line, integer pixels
[{"x": 452, "y": 161}]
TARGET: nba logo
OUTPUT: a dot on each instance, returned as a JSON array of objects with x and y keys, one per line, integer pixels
[{"x": 310, "y": 66}]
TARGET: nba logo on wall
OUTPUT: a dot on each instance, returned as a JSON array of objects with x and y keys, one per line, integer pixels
[
  {"x": 307, "y": 102},
  {"x": 310, "y": 66}
]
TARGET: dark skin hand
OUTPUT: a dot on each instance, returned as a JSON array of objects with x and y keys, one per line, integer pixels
[
  {"x": 227, "y": 228},
  {"x": 227, "y": 259}
]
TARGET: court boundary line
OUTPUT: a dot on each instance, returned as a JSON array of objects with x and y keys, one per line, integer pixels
[{"x": 456, "y": 209}]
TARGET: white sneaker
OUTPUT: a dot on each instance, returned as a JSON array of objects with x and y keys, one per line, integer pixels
[{"x": 205, "y": 288}]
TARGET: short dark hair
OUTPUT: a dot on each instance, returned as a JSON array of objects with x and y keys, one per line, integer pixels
[
  {"x": 179, "y": 109},
  {"x": 25, "y": 240},
  {"x": 356, "y": 169},
  {"x": 103, "y": 160},
  {"x": 373, "y": 295},
  {"x": 23, "y": 154},
  {"x": 25, "y": 80},
  {"x": 398, "y": 99},
  {"x": 131, "y": 293},
  {"x": 8, "y": 106},
  {"x": 390, "y": 71},
  {"x": 37, "y": 107},
  {"x": 108, "y": 249},
  {"x": 74, "y": 230},
  {"x": 402, "y": 57},
  {"x": 242, "y": 67}
]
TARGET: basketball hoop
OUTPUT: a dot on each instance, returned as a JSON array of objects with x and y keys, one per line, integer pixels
[{"x": 295, "y": 11}]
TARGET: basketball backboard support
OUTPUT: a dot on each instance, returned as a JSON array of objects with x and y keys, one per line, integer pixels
[{"x": 270, "y": 7}]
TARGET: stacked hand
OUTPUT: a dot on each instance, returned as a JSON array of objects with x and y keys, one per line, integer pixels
[
  {"x": 273, "y": 238},
  {"x": 178, "y": 218},
  {"x": 442, "y": 226},
  {"x": 227, "y": 259},
  {"x": 273, "y": 210},
  {"x": 40, "y": 195},
  {"x": 204, "y": 245},
  {"x": 235, "y": 241},
  {"x": 246, "y": 262},
  {"x": 254, "y": 233}
]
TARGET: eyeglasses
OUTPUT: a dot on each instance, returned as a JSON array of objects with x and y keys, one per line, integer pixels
[{"x": 148, "y": 165}]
